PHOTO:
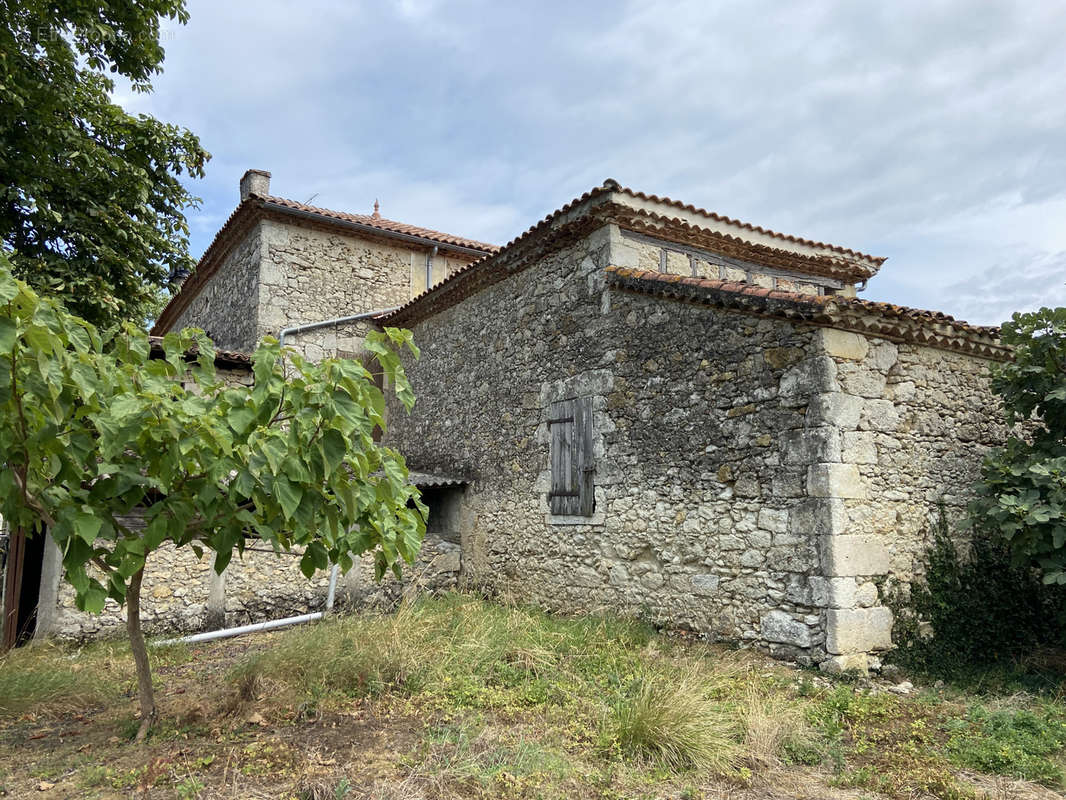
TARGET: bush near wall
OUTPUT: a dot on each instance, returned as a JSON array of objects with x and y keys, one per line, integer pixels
[{"x": 975, "y": 610}]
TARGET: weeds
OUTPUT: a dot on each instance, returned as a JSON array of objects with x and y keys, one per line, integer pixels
[
  {"x": 774, "y": 727},
  {"x": 46, "y": 679},
  {"x": 460, "y": 697},
  {"x": 1015, "y": 742}
]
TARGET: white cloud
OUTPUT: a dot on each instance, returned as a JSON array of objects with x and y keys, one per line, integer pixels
[{"x": 928, "y": 132}]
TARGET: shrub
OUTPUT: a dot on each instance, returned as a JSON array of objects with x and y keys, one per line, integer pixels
[
  {"x": 982, "y": 608},
  {"x": 1022, "y": 491}
]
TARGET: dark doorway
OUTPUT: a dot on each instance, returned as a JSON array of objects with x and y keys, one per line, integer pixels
[
  {"x": 22, "y": 588},
  {"x": 443, "y": 503}
]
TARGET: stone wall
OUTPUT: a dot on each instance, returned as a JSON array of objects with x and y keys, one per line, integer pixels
[
  {"x": 183, "y": 594},
  {"x": 908, "y": 426},
  {"x": 755, "y": 478},
  {"x": 285, "y": 273},
  {"x": 311, "y": 273},
  {"x": 696, "y": 418},
  {"x": 227, "y": 307}
]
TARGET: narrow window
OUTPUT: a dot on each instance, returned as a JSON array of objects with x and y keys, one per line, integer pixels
[{"x": 572, "y": 466}]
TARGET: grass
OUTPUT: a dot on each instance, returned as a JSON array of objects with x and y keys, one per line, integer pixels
[
  {"x": 456, "y": 697},
  {"x": 46, "y": 678}
]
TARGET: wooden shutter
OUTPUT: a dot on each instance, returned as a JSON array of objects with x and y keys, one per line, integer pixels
[{"x": 572, "y": 467}]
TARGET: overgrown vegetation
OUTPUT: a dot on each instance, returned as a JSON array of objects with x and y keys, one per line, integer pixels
[
  {"x": 457, "y": 697},
  {"x": 975, "y": 610},
  {"x": 1022, "y": 492}
]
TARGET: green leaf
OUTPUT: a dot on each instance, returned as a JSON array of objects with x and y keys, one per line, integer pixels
[
  {"x": 8, "y": 333},
  {"x": 86, "y": 525},
  {"x": 334, "y": 448},
  {"x": 288, "y": 495},
  {"x": 307, "y": 565}
]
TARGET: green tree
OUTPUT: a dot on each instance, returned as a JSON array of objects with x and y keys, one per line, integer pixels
[
  {"x": 91, "y": 205},
  {"x": 92, "y": 428},
  {"x": 1022, "y": 492}
]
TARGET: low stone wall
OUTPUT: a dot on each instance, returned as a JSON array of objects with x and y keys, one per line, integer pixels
[{"x": 182, "y": 594}]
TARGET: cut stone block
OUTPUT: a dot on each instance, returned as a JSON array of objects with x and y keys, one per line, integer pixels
[
  {"x": 835, "y": 408},
  {"x": 851, "y": 555},
  {"x": 809, "y": 377},
  {"x": 844, "y": 344},
  {"x": 858, "y": 630},
  {"x": 854, "y": 662},
  {"x": 818, "y": 516},
  {"x": 849, "y": 593},
  {"x": 777, "y": 626},
  {"x": 810, "y": 445},
  {"x": 835, "y": 480}
]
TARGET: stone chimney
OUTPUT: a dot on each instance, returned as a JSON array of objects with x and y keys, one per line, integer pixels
[{"x": 255, "y": 181}]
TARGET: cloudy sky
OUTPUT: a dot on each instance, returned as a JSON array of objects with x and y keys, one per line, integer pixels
[{"x": 932, "y": 132}]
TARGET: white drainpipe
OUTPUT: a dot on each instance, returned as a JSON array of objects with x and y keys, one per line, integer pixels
[{"x": 255, "y": 627}]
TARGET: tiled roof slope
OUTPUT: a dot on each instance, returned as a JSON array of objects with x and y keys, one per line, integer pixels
[
  {"x": 655, "y": 216},
  {"x": 885, "y": 320},
  {"x": 746, "y": 226},
  {"x": 257, "y": 206},
  {"x": 384, "y": 225}
]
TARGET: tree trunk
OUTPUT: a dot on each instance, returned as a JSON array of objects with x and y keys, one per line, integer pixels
[{"x": 140, "y": 656}]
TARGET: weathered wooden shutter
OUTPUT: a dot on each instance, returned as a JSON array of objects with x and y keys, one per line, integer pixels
[{"x": 572, "y": 466}]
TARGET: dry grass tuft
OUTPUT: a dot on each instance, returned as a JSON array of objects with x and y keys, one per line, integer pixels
[
  {"x": 771, "y": 721},
  {"x": 670, "y": 722}
]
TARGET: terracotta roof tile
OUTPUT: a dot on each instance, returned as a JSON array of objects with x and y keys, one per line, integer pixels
[
  {"x": 383, "y": 224},
  {"x": 887, "y": 320},
  {"x": 474, "y": 275}
]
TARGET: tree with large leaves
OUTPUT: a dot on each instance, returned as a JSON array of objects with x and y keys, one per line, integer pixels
[
  {"x": 91, "y": 204},
  {"x": 1022, "y": 492},
  {"x": 95, "y": 427}
]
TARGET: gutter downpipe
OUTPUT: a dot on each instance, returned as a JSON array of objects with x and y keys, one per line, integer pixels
[{"x": 255, "y": 627}]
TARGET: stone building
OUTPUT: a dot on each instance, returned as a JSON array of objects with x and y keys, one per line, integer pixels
[{"x": 640, "y": 406}]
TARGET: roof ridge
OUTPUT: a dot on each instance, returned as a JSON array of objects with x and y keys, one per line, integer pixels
[
  {"x": 613, "y": 185},
  {"x": 610, "y": 185},
  {"x": 382, "y": 223}
]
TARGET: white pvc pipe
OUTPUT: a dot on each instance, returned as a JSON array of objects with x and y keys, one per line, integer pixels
[
  {"x": 255, "y": 627},
  {"x": 225, "y": 633}
]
